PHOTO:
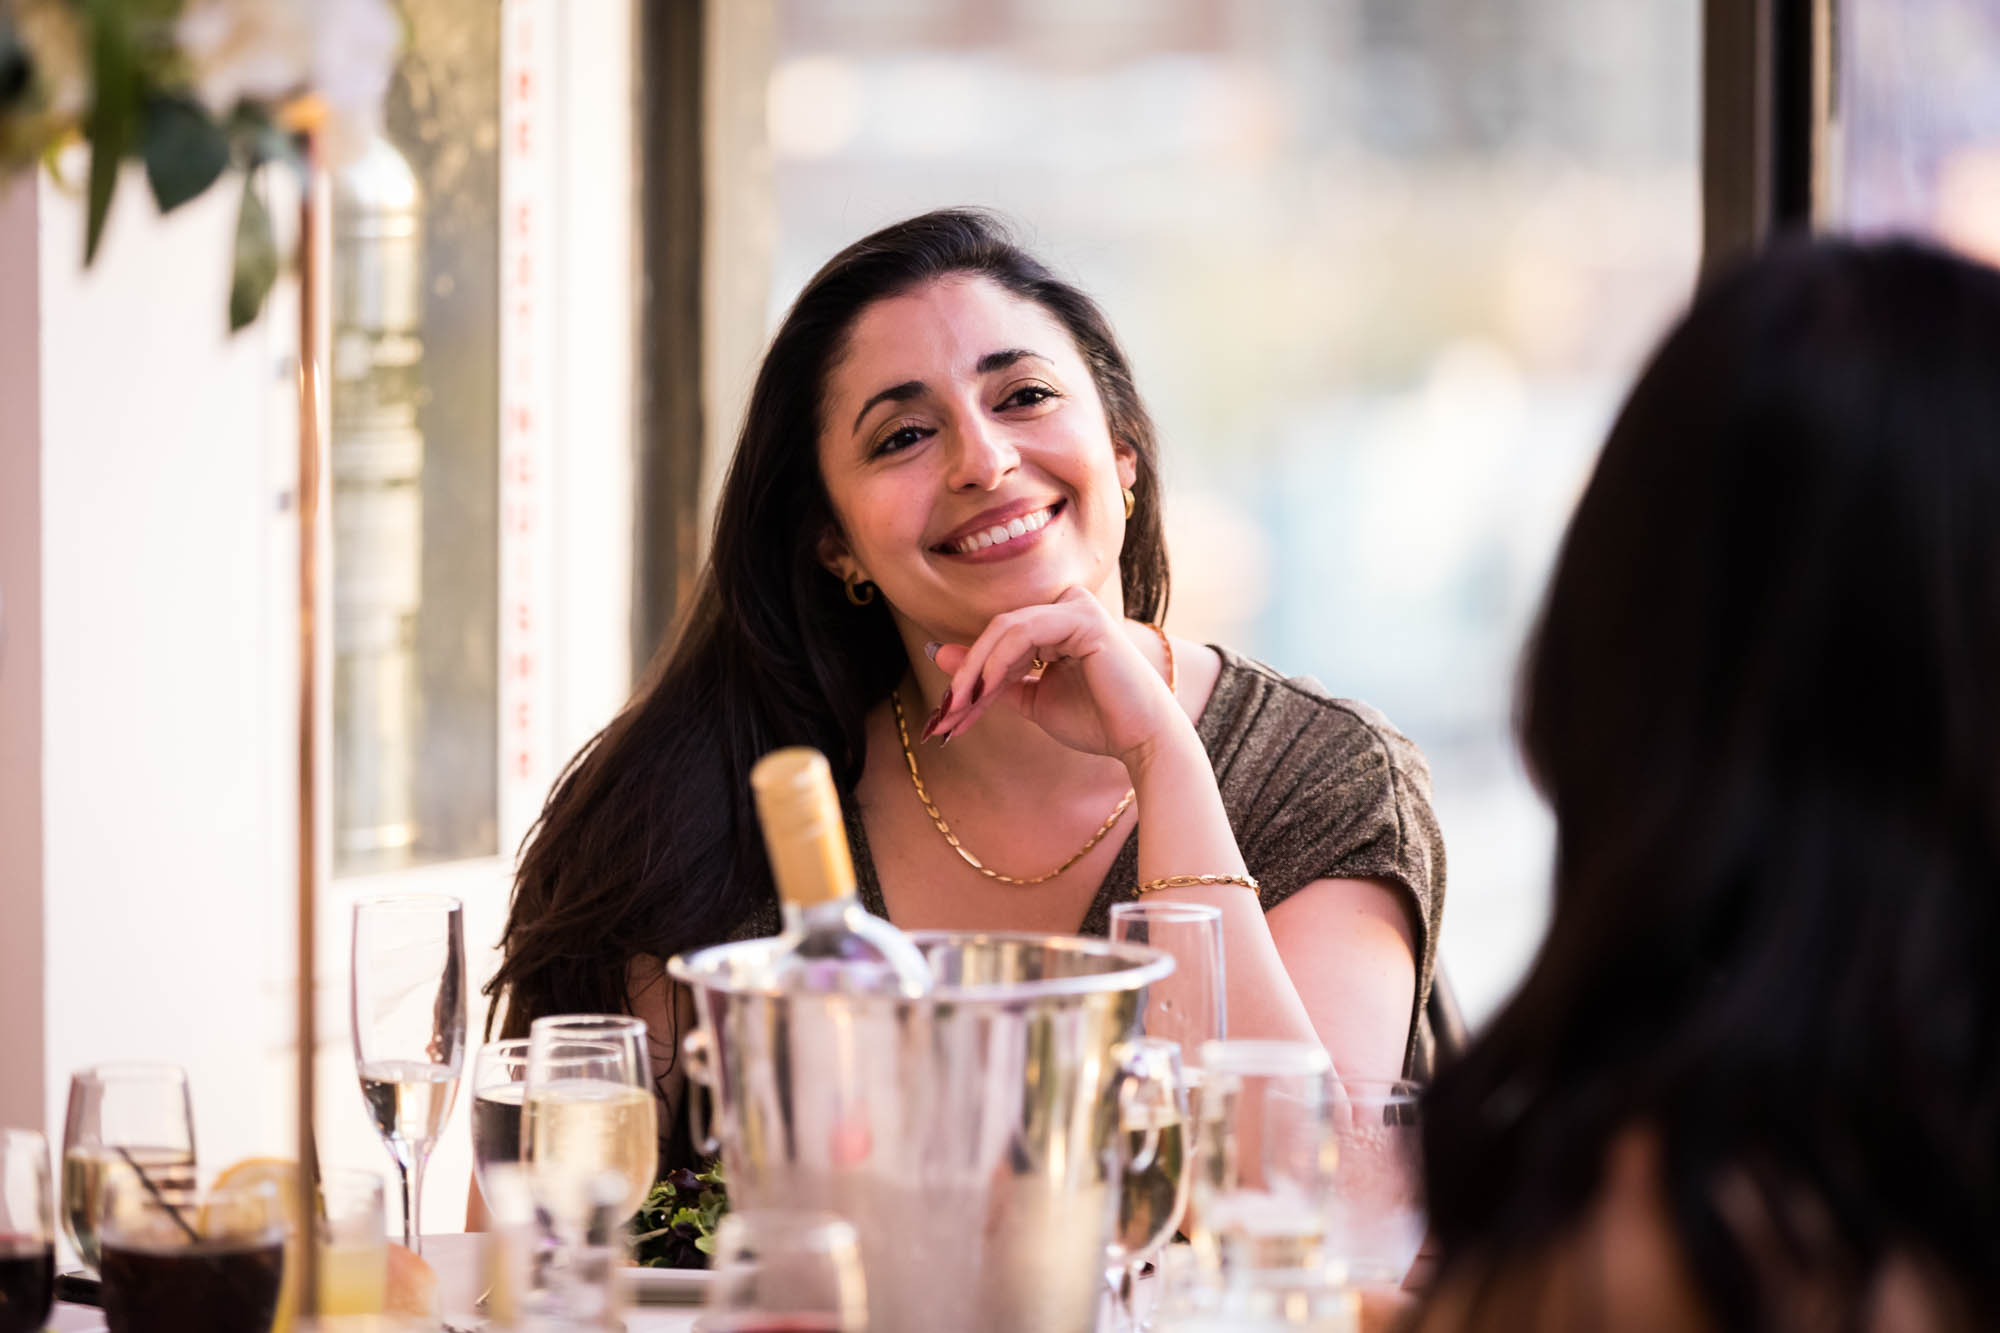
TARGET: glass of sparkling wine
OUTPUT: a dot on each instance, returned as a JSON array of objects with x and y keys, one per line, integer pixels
[
  {"x": 27, "y": 1232},
  {"x": 409, "y": 1028},
  {"x": 589, "y": 1139},
  {"x": 499, "y": 1081},
  {"x": 1151, "y": 1168},
  {"x": 122, "y": 1117}
]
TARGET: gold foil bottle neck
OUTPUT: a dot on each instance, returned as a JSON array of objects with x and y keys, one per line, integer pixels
[{"x": 803, "y": 832}]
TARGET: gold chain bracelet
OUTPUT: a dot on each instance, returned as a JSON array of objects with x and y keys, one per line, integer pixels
[{"x": 1190, "y": 881}]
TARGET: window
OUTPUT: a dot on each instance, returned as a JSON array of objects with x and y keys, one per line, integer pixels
[
  {"x": 415, "y": 459},
  {"x": 1384, "y": 268},
  {"x": 1917, "y": 117}
]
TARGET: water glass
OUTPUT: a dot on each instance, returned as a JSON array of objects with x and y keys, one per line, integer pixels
[
  {"x": 27, "y": 1232},
  {"x": 785, "y": 1272},
  {"x": 1266, "y": 1154},
  {"x": 1375, "y": 1215},
  {"x": 176, "y": 1260},
  {"x": 499, "y": 1082},
  {"x": 122, "y": 1118},
  {"x": 409, "y": 1028}
]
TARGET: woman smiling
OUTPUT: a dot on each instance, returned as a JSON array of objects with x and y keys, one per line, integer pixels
[{"x": 938, "y": 558}]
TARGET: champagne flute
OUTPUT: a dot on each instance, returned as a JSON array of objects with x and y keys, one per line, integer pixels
[
  {"x": 27, "y": 1232},
  {"x": 499, "y": 1082},
  {"x": 1187, "y": 1007},
  {"x": 589, "y": 1138},
  {"x": 1152, "y": 1167},
  {"x": 122, "y": 1118},
  {"x": 409, "y": 1028}
]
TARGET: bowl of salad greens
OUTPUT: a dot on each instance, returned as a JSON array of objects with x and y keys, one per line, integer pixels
[{"x": 675, "y": 1227}]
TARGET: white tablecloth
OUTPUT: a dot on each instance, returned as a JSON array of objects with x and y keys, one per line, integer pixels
[{"x": 456, "y": 1259}]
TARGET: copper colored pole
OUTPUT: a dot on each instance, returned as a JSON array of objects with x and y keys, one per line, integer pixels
[{"x": 308, "y": 668}]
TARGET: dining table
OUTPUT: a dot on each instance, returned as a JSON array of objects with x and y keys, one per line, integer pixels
[{"x": 456, "y": 1260}]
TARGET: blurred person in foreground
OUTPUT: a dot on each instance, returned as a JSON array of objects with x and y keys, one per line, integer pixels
[
  {"x": 942, "y": 525},
  {"x": 1753, "y": 1080}
]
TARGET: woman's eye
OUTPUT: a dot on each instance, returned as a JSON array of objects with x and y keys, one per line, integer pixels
[
  {"x": 898, "y": 440},
  {"x": 1028, "y": 395}
]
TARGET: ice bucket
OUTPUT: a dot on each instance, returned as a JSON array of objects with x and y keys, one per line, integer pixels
[{"x": 969, "y": 1136}]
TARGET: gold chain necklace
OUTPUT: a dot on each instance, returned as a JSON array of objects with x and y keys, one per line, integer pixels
[{"x": 930, "y": 806}]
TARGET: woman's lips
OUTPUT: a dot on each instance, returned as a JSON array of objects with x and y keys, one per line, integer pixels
[{"x": 1005, "y": 539}]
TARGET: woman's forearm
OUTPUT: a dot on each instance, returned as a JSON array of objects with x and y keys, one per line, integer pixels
[{"x": 1184, "y": 830}]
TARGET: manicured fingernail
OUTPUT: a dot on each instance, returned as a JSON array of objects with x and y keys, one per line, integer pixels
[
  {"x": 978, "y": 688},
  {"x": 930, "y": 649},
  {"x": 946, "y": 740},
  {"x": 937, "y": 716}
]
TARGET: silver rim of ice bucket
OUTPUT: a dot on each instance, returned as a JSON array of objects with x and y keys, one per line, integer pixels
[{"x": 1144, "y": 966}]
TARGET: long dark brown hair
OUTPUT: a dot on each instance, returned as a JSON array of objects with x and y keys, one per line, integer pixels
[
  {"x": 1764, "y": 702},
  {"x": 649, "y": 842}
]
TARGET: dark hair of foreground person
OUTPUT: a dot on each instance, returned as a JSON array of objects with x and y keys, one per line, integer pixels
[
  {"x": 649, "y": 843},
  {"x": 1763, "y": 700}
]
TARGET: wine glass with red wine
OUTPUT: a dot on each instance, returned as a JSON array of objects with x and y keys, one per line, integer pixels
[
  {"x": 27, "y": 1232},
  {"x": 785, "y": 1272}
]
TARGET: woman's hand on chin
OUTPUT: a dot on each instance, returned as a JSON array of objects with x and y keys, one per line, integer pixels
[{"x": 1099, "y": 694}]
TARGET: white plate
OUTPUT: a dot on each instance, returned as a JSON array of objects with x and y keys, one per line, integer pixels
[{"x": 669, "y": 1286}]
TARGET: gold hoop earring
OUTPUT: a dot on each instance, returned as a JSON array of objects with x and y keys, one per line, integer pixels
[
  {"x": 1131, "y": 501},
  {"x": 859, "y": 590}
]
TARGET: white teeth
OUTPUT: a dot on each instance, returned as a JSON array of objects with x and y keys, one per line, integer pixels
[{"x": 1004, "y": 532}]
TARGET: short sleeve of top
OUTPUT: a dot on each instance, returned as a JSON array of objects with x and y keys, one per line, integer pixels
[{"x": 1324, "y": 788}]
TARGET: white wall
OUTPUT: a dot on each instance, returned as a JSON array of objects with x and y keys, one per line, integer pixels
[{"x": 165, "y": 762}]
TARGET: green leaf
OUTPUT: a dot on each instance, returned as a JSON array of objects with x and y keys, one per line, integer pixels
[
  {"x": 706, "y": 1244},
  {"x": 256, "y": 257},
  {"x": 184, "y": 150},
  {"x": 113, "y": 123}
]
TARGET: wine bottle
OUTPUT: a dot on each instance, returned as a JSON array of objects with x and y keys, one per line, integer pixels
[{"x": 835, "y": 944}]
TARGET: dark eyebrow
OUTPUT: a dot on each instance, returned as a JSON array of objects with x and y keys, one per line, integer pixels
[
  {"x": 895, "y": 393},
  {"x": 908, "y": 389},
  {"x": 993, "y": 361}
]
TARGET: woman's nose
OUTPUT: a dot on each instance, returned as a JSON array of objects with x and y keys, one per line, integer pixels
[{"x": 984, "y": 455}]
